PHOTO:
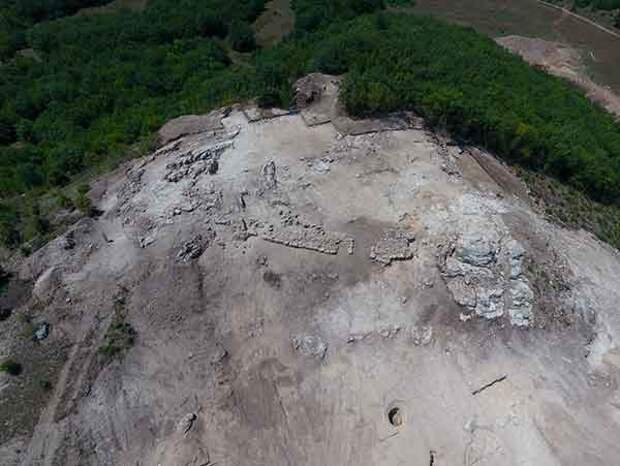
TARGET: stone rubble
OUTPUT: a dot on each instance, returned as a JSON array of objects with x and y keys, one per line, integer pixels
[
  {"x": 395, "y": 245},
  {"x": 68, "y": 242},
  {"x": 194, "y": 162},
  {"x": 416, "y": 335},
  {"x": 194, "y": 248},
  {"x": 269, "y": 176},
  {"x": 42, "y": 331},
  {"x": 186, "y": 423},
  {"x": 297, "y": 233},
  {"x": 485, "y": 275},
  {"x": 307, "y": 90},
  {"x": 309, "y": 345}
]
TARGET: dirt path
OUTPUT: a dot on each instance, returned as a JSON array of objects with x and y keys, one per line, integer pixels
[
  {"x": 579, "y": 17},
  {"x": 274, "y": 23}
]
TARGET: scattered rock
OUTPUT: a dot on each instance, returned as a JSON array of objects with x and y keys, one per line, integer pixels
[
  {"x": 186, "y": 423},
  {"x": 389, "y": 331},
  {"x": 321, "y": 166},
  {"x": 421, "y": 336},
  {"x": 219, "y": 357},
  {"x": 146, "y": 241},
  {"x": 308, "y": 90},
  {"x": 269, "y": 175},
  {"x": 195, "y": 161},
  {"x": 194, "y": 248},
  {"x": 310, "y": 345},
  {"x": 41, "y": 331},
  {"x": 68, "y": 241}
]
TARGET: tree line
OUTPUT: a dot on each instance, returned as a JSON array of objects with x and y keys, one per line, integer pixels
[{"x": 101, "y": 83}]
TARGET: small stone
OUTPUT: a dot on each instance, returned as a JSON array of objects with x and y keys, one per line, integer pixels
[
  {"x": 146, "y": 241},
  {"x": 42, "y": 331},
  {"x": 187, "y": 422},
  {"x": 310, "y": 345}
]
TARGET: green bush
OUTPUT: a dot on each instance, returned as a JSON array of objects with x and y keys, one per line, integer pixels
[
  {"x": 82, "y": 201},
  {"x": 33, "y": 223},
  {"x": 212, "y": 24},
  {"x": 9, "y": 225},
  {"x": 11, "y": 367},
  {"x": 598, "y": 4},
  {"x": 120, "y": 335},
  {"x": 241, "y": 37}
]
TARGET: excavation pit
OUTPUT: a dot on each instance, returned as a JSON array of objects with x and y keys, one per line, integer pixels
[{"x": 395, "y": 417}]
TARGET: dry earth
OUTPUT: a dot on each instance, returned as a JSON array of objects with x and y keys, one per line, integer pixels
[{"x": 311, "y": 290}]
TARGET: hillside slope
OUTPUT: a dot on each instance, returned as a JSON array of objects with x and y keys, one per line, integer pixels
[{"x": 302, "y": 288}]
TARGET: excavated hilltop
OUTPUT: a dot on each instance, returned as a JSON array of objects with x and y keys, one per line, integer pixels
[{"x": 301, "y": 288}]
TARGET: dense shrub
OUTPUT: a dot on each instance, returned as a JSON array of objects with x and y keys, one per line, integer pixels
[
  {"x": 310, "y": 15},
  {"x": 598, "y": 4},
  {"x": 9, "y": 219},
  {"x": 242, "y": 37},
  {"x": 39, "y": 10},
  {"x": 82, "y": 201}
]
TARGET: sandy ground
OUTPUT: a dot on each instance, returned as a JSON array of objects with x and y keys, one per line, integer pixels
[{"x": 331, "y": 292}]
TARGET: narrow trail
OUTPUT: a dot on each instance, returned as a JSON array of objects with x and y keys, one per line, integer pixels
[{"x": 580, "y": 18}]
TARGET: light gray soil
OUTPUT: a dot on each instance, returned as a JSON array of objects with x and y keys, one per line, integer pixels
[{"x": 340, "y": 293}]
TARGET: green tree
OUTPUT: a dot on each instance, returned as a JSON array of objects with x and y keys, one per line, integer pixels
[{"x": 241, "y": 37}]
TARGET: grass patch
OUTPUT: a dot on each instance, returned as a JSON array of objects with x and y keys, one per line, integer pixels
[
  {"x": 120, "y": 336},
  {"x": 571, "y": 208}
]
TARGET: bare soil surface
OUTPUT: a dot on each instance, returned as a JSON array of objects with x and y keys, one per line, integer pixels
[
  {"x": 307, "y": 289},
  {"x": 275, "y": 23}
]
